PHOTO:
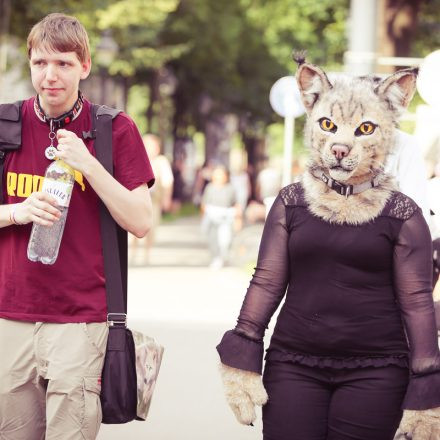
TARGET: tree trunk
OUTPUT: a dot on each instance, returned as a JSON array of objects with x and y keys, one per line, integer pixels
[
  {"x": 256, "y": 152},
  {"x": 125, "y": 89},
  {"x": 5, "y": 10},
  {"x": 154, "y": 93},
  {"x": 219, "y": 130},
  {"x": 397, "y": 23}
]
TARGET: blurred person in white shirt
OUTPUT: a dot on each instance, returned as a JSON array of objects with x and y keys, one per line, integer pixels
[
  {"x": 406, "y": 164},
  {"x": 161, "y": 197}
]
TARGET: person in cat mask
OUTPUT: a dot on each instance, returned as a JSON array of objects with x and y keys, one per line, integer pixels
[{"x": 356, "y": 339}]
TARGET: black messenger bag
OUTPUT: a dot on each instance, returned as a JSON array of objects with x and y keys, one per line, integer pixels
[{"x": 118, "y": 378}]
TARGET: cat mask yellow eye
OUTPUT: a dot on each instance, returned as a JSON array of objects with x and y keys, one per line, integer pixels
[
  {"x": 327, "y": 125},
  {"x": 365, "y": 128}
]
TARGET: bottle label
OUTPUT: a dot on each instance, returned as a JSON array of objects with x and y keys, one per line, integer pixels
[{"x": 61, "y": 191}]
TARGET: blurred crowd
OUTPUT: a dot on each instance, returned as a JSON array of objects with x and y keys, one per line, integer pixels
[{"x": 226, "y": 197}]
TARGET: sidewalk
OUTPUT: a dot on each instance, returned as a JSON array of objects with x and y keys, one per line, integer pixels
[
  {"x": 178, "y": 269},
  {"x": 181, "y": 244}
]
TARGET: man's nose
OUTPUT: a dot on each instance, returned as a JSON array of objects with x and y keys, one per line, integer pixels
[
  {"x": 340, "y": 151},
  {"x": 51, "y": 73}
]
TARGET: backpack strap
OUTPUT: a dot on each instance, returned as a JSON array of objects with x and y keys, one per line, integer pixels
[
  {"x": 112, "y": 235},
  {"x": 10, "y": 134}
]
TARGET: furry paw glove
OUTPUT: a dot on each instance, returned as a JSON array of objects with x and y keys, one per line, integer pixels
[
  {"x": 243, "y": 390},
  {"x": 420, "y": 425}
]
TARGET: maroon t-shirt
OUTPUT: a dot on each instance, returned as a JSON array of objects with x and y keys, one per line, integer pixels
[{"x": 72, "y": 289}]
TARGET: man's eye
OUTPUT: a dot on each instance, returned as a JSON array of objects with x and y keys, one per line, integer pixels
[
  {"x": 365, "y": 128},
  {"x": 327, "y": 125}
]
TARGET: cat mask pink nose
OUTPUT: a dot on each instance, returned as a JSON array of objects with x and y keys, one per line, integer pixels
[{"x": 340, "y": 151}]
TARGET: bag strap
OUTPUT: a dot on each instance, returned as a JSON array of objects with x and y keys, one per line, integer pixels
[
  {"x": 112, "y": 235},
  {"x": 10, "y": 134}
]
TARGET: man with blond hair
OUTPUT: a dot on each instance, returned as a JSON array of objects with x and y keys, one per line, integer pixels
[{"x": 53, "y": 318}]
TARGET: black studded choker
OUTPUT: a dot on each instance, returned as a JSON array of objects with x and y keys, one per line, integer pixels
[
  {"x": 57, "y": 123},
  {"x": 346, "y": 189},
  {"x": 64, "y": 119}
]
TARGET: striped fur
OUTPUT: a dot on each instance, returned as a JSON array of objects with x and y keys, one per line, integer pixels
[{"x": 348, "y": 103}]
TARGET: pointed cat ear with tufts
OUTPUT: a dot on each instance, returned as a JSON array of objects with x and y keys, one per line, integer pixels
[
  {"x": 312, "y": 82},
  {"x": 398, "y": 89}
]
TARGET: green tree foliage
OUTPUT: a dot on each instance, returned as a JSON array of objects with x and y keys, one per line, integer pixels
[
  {"x": 317, "y": 27},
  {"x": 136, "y": 25},
  {"x": 25, "y": 13},
  {"x": 238, "y": 49}
]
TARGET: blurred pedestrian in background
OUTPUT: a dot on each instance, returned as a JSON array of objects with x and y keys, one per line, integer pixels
[
  {"x": 178, "y": 195},
  {"x": 406, "y": 165},
  {"x": 242, "y": 185},
  {"x": 161, "y": 197},
  {"x": 220, "y": 211},
  {"x": 203, "y": 177},
  {"x": 408, "y": 168},
  {"x": 267, "y": 186}
]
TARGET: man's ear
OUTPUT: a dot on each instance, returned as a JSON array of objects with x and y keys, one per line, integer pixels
[
  {"x": 86, "y": 67},
  {"x": 312, "y": 82},
  {"x": 398, "y": 89}
]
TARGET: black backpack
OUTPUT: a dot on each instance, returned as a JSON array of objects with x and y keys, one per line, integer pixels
[
  {"x": 10, "y": 134},
  {"x": 113, "y": 236}
]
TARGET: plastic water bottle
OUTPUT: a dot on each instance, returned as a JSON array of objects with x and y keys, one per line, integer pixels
[{"x": 44, "y": 242}]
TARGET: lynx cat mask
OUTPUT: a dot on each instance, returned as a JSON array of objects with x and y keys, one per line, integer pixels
[{"x": 350, "y": 131}]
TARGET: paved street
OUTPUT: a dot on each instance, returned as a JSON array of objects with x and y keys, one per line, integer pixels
[{"x": 186, "y": 306}]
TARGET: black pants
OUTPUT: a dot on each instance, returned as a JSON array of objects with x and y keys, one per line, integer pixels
[{"x": 332, "y": 404}]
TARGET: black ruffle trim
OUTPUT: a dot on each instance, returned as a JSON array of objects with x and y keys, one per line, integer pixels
[{"x": 400, "y": 360}]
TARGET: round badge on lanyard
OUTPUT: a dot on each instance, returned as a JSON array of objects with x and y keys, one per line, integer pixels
[{"x": 50, "y": 151}]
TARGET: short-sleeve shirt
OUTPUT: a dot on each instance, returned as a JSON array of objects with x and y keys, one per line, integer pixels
[
  {"x": 222, "y": 196},
  {"x": 73, "y": 288}
]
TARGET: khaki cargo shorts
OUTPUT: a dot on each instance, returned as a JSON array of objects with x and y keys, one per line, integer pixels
[{"x": 50, "y": 380}]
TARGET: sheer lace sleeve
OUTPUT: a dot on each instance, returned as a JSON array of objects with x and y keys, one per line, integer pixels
[
  {"x": 243, "y": 347},
  {"x": 413, "y": 282}
]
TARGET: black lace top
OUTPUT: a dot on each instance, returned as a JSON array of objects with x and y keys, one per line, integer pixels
[{"x": 355, "y": 296}]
